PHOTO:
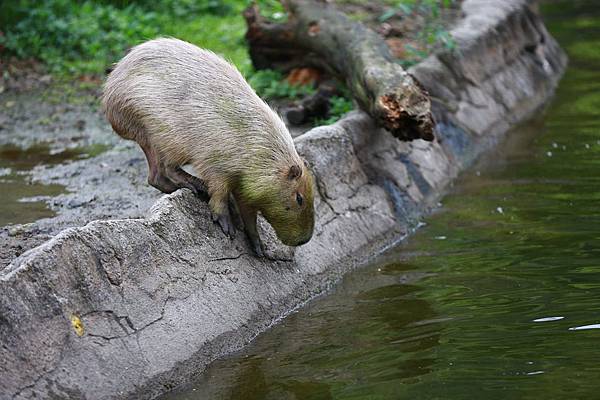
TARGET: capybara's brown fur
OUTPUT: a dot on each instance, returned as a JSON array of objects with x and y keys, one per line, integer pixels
[{"x": 185, "y": 105}]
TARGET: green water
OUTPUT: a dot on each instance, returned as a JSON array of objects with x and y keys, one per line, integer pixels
[{"x": 496, "y": 298}]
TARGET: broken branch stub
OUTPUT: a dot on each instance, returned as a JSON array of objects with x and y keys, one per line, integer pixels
[{"x": 317, "y": 35}]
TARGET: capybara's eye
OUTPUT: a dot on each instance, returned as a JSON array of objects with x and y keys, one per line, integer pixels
[{"x": 299, "y": 199}]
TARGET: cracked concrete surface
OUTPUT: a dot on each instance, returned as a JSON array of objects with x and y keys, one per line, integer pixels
[{"x": 160, "y": 297}]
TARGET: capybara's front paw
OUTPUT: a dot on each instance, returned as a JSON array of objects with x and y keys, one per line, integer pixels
[{"x": 258, "y": 247}]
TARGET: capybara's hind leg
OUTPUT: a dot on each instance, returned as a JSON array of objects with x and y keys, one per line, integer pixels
[
  {"x": 156, "y": 174},
  {"x": 185, "y": 180}
]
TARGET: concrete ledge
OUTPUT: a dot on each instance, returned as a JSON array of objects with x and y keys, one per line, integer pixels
[{"x": 161, "y": 297}]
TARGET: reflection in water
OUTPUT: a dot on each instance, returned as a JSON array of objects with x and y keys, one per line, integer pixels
[
  {"x": 497, "y": 298},
  {"x": 374, "y": 332},
  {"x": 252, "y": 384}
]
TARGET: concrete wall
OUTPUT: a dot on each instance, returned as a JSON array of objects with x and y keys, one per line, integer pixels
[{"x": 134, "y": 307}]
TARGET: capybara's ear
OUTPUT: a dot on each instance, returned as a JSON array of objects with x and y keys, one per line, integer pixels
[{"x": 295, "y": 172}]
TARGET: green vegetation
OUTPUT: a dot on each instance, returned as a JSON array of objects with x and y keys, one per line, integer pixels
[
  {"x": 75, "y": 38},
  {"x": 338, "y": 106},
  {"x": 272, "y": 9},
  {"x": 85, "y": 37},
  {"x": 270, "y": 85},
  {"x": 432, "y": 35},
  {"x": 428, "y": 7}
]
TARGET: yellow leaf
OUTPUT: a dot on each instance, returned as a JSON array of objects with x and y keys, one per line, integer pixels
[{"x": 77, "y": 325}]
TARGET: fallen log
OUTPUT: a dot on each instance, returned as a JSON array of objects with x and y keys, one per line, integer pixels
[{"x": 319, "y": 36}]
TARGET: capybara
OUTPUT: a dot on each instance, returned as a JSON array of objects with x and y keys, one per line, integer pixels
[{"x": 186, "y": 105}]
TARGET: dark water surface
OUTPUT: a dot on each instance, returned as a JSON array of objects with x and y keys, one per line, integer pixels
[
  {"x": 21, "y": 200},
  {"x": 497, "y": 298}
]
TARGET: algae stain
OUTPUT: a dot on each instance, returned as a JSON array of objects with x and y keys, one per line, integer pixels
[{"x": 77, "y": 325}]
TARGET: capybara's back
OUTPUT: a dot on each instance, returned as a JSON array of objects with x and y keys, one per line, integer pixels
[{"x": 186, "y": 99}]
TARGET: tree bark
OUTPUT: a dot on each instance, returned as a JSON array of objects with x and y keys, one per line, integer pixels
[{"x": 317, "y": 35}]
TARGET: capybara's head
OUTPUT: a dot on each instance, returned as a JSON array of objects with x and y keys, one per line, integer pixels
[{"x": 287, "y": 204}]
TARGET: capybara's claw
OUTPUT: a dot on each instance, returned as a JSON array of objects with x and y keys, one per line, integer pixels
[
  {"x": 226, "y": 224},
  {"x": 258, "y": 248}
]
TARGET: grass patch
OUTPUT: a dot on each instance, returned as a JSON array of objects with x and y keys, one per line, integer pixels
[
  {"x": 270, "y": 85},
  {"x": 85, "y": 37},
  {"x": 78, "y": 38},
  {"x": 338, "y": 107}
]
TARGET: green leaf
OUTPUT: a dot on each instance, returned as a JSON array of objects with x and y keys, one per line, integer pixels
[{"x": 387, "y": 15}]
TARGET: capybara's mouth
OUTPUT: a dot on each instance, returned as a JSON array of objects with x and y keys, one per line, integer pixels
[
  {"x": 296, "y": 243},
  {"x": 302, "y": 242}
]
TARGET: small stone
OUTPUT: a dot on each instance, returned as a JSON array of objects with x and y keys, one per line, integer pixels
[
  {"x": 15, "y": 230},
  {"x": 80, "y": 124},
  {"x": 75, "y": 203},
  {"x": 500, "y": 210},
  {"x": 549, "y": 154}
]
